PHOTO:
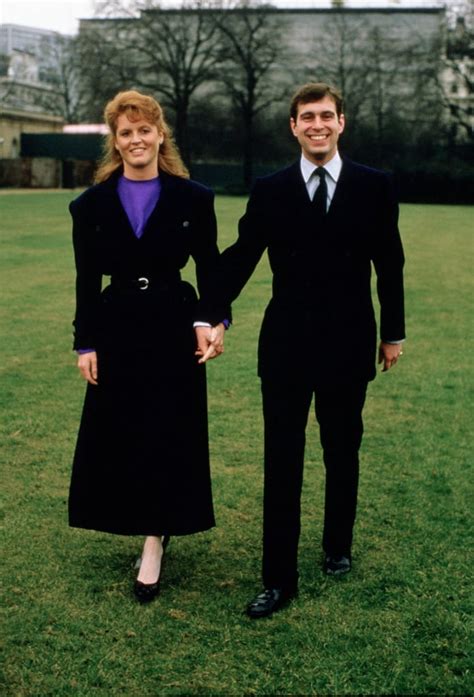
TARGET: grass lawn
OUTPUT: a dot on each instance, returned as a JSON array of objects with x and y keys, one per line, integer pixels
[{"x": 398, "y": 624}]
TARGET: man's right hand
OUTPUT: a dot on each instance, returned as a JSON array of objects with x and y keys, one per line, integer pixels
[
  {"x": 210, "y": 342},
  {"x": 87, "y": 364}
]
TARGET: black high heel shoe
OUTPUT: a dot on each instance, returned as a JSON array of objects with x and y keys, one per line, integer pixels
[{"x": 146, "y": 592}]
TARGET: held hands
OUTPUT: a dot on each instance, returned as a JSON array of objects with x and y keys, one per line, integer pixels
[
  {"x": 87, "y": 364},
  {"x": 389, "y": 355},
  {"x": 210, "y": 342}
]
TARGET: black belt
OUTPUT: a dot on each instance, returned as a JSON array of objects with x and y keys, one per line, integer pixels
[{"x": 145, "y": 282}]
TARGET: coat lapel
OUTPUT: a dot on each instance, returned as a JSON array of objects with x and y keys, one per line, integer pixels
[
  {"x": 113, "y": 211},
  {"x": 172, "y": 199}
]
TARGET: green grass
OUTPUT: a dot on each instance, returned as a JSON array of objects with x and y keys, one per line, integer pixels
[{"x": 398, "y": 625}]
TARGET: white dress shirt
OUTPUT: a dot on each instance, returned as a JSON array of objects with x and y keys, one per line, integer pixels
[{"x": 333, "y": 170}]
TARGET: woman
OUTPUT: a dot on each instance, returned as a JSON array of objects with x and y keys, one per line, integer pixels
[{"x": 141, "y": 465}]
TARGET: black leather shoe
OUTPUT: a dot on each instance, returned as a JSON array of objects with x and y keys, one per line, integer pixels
[
  {"x": 268, "y": 602},
  {"x": 146, "y": 592},
  {"x": 337, "y": 565}
]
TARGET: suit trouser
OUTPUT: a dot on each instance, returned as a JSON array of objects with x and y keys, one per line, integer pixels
[{"x": 339, "y": 414}]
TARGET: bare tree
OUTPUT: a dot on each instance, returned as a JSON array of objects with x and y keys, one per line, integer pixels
[
  {"x": 382, "y": 67},
  {"x": 337, "y": 58},
  {"x": 104, "y": 70},
  {"x": 171, "y": 52},
  {"x": 62, "y": 70},
  {"x": 250, "y": 47}
]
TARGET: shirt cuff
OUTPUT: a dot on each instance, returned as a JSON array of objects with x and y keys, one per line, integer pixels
[
  {"x": 87, "y": 350},
  {"x": 394, "y": 341},
  {"x": 225, "y": 322}
]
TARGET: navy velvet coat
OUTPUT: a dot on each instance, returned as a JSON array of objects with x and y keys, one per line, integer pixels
[{"x": 141, "y": 464}]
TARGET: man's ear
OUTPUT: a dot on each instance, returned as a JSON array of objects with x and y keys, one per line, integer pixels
[{"x": 342, "y": 123}]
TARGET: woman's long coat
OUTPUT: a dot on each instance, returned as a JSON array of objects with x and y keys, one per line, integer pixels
[{"x": 141, "y": 464}]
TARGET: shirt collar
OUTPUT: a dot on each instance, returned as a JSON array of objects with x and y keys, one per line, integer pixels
[{"x": 333, "y": 167}]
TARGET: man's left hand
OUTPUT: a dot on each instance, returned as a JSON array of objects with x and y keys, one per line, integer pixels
[{"x": 389, "y": 355}]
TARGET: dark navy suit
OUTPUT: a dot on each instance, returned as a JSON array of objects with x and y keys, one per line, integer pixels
[{"x": 318, "y": 337}]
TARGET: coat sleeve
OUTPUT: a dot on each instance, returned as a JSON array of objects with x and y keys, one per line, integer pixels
[
  {"x": 205, "y": 252},
  {"x": 388, "y": 259},
  {"x": 238, "y": 262},
  {"x": 88, "y": 278}
]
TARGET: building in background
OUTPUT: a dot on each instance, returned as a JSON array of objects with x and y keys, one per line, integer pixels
[
  {"x": 457, "y": 77},
  {"x": 30, "y": 48},
  {"x": 27, "y": 99},
  {"x": 405, "y": 72}
]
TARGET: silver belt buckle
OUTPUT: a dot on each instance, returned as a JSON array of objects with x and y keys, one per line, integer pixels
[{"x": 143, "y": 283}]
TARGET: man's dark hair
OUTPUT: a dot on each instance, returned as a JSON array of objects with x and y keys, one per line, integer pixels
[{"x": 314, "y": 92}]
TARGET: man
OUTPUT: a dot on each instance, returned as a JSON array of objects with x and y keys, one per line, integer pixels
[{"x": 324, "y": 221}]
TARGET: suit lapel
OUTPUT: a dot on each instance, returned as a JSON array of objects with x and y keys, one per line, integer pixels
[
  {"x": 296, "y": 187},
  {"x": 297, "y": 192},
  {"x": 344, "y": 192},
  {"x": 344, "y": 188}
]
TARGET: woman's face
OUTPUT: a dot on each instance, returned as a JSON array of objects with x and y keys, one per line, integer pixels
[{"x": 138, "y": 143}]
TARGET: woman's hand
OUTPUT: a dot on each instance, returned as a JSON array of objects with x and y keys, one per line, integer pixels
[
  {"x": 87, "y": 364},
  {"x": 210, "y": 341}
]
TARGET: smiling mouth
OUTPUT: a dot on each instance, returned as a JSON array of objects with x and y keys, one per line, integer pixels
[{"x": 318, "y": 138}]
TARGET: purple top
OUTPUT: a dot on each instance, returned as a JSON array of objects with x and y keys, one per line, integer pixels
[{"x": 139, "y": 198}]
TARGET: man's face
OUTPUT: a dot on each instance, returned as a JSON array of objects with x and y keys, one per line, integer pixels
[{"x": 317, "y": 128}]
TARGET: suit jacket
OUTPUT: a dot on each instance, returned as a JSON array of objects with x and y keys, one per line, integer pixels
[
  {"x": 320, "y": 323},
  {"x": 183, "y": 224}
]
